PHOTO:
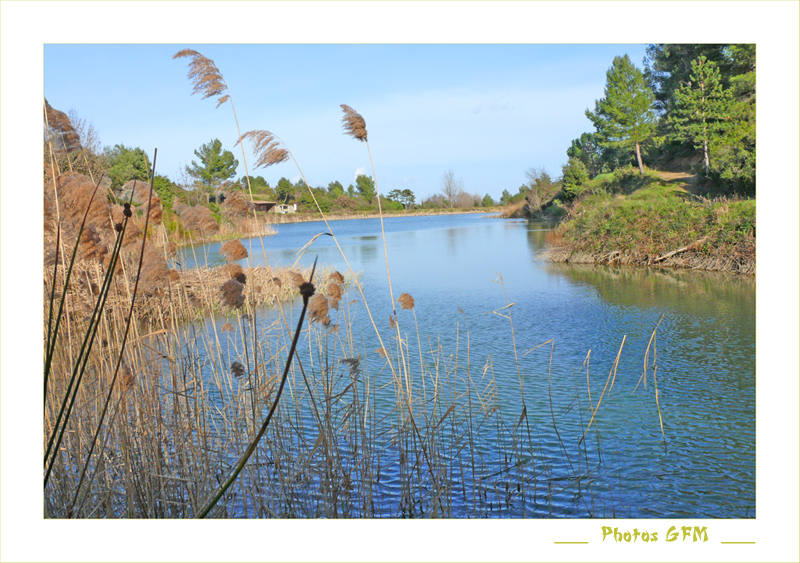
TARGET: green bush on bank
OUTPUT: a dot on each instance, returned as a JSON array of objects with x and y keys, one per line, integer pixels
[{"x": 657, "y": 219}]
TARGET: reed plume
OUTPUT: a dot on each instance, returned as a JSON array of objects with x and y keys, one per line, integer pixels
[
  {"x": 318, "y": 309},
  {"x": 406, "y": 301},
  {"x": 232, "y": 295},
  {"x": 335, "y": 291},
  {"x": 297, "y": 279},
  {"x": 336, "y": 277},
  {"x": 353, "y": 123},
  {"x": 266, "y": 147},
  {"x": 233, "y": 250},
  {"x": 205, "y": 75},
  {"x": 236, "y": 272},
  {"x": 237, "y": 369},
  {"x": 68, "y": 139},
  {"x": 227, "y": 327}
]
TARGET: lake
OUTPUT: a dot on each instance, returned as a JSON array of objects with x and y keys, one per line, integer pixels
[{"x": 702, "y": 466}]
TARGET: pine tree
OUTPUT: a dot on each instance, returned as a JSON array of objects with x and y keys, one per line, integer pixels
[
  {"x": 702, "y": 108},
  {"x": 624, "y": 117},
  {"x": 215, "y": 164}
]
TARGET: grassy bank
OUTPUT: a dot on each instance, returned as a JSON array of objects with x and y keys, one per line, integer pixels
[{"x": 647, "y": 221}]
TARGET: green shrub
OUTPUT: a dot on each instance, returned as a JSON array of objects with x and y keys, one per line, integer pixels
[{"x": 574, "y": 179}]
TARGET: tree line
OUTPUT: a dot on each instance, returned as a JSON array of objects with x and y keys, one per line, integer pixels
[{"x": 690, "y": 104}]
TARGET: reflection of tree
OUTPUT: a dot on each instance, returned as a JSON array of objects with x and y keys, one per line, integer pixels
[
  {"x": 537, "y": 230},
  {"x": 456, "y": 237},
  {"x": 685, "y": 291}
]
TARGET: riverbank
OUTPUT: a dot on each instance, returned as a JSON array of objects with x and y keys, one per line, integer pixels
[{"x": 654, "y": 223}]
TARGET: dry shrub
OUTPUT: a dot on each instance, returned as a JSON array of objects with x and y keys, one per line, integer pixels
[
  {"x": 235, "y": 204},
  {"x": 406, "y": 301},
  {"x": 63, "y": 136},
  {"x": 197, "y": 219},
  {"x": 233, "y": 250},
  {"x": 155, "y": 272},
  {"x": 133, "y": 232},
  {"x": 345, "y": 203},
  {"x": 141, "y": 195},
  {"x": 74, "y": 193},
  {"x": 49, "y": 213},
  {"x": 232, "y": 294},
  {"x": 91, "y": 246}
]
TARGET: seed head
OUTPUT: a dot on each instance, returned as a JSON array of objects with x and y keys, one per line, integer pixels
[
  {"x": 237, "y": 369},
  {"x": 353, "y": 123},
  {"x": 406, "y": 301},
  {"x": 205, "y": 75},
  {"x": 307, "y": 290},
  {"x": 232, "y": 293},
  {"x": 266, "y": 147}
]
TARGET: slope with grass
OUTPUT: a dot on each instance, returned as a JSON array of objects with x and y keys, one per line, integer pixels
[{"x": 654, "y": 219}]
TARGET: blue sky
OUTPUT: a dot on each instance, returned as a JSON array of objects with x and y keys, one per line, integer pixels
[{"x": 488, "y": 112}]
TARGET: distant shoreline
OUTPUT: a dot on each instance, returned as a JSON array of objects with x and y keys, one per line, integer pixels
[{"x": 309, "y": 217}]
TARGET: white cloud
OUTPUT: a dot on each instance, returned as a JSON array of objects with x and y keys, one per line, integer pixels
[{"x": 360, "y": 170}]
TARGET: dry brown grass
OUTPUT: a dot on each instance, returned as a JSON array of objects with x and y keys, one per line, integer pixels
[{"x": 353, "y": 123}]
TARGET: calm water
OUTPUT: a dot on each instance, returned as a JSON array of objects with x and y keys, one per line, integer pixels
[{"x": 451, "y": 265}]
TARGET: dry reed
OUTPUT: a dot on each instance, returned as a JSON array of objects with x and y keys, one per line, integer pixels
[
  {"x": 353, "y": 123},
  {"x": 266, "y": 147},
  {"x": 205, "y": 75},
  {"x": 232, "y": 294},
  {"x": 406, "y": 301},
  {"x": 233, "y": 250}
]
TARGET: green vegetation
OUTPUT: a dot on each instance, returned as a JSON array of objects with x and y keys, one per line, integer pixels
[
  {"x": 691, "y": 115},
  {"x": 629, "y": 218},
  {"x": 625, "y": 118},
  {"x": 215, "y": 165},
  {"x": 126, "y": 164}
]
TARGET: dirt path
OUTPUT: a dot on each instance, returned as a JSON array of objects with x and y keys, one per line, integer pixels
[{"x": 683, "y": 180}]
